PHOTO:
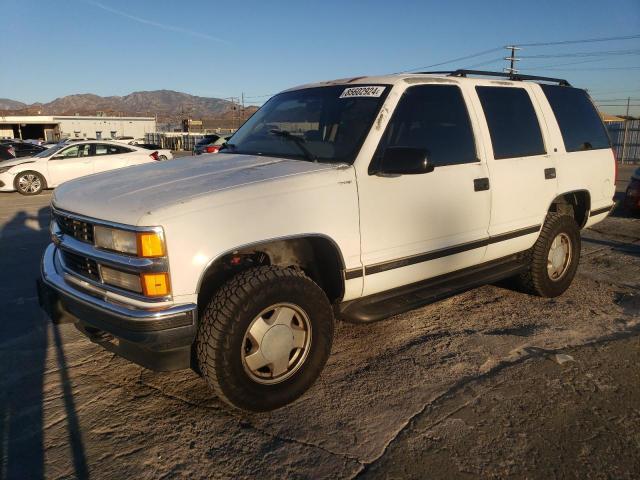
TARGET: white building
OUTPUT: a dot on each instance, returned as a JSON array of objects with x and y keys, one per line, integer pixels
[{"x": 57, "y": 127}]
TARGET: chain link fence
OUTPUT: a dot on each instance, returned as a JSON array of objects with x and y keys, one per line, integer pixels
[{"x": 625, "y": 139}]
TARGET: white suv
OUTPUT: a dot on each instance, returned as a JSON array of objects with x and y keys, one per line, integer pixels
[{"x": 358, "y": 199}]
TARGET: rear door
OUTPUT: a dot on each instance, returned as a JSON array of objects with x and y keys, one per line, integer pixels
[
  {"x": 71, "y": 162},
  {"x": 522, "y": 171},
  {"x": 109, "y": 157}
]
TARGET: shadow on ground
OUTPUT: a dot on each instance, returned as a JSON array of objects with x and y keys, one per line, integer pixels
[{"x": 23, "y": 350}]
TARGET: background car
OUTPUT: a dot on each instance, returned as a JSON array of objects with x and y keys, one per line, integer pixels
[
  {"x": 632, "y": 195},
  {"x": 209, "y": 144},
  {"x": 7, "y": 152},
  {"x": 66, "y": 161},
  {"x": 24, "y": 149},
  {"x": 163, "y": 153}
]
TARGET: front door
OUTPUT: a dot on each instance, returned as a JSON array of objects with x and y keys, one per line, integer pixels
[
  {"x": 415, "y": 227},
  {"x": 71, "y": 162}
]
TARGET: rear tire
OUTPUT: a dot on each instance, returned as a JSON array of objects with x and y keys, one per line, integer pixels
[
  {"x": 264, "y": 338},
  {"x": 29, "y": 183},
  {"x": 162, "y": 158},
  {"x": 554, "y": 258}
]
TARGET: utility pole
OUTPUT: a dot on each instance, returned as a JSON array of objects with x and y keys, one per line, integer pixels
[
  {"x": 626, "y": 129},
  {"x": 242, "y": 118},
  {"x": 511, "y": 69}
]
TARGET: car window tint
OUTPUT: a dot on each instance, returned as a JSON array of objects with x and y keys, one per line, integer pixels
[
  {"x": 513, "y": 124},
  {"x": 71, "y": 152},
  {"x": 433, "y": 117},
  {"x": 105, "y": 149},
  {"x": 579, "y": 122}
]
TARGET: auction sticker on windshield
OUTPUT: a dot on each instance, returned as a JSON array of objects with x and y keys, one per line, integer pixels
[{"x": 362, "y": 92}]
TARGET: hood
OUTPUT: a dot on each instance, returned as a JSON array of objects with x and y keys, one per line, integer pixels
[
  {"x": 17, "y": 161},
  {"x": 126, "y": 195}
]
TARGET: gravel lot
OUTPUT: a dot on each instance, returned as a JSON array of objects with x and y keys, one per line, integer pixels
[{"x": 470, "y": 386}]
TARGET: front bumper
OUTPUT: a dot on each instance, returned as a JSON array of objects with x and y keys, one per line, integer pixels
[{"x": 157, "y": 338}]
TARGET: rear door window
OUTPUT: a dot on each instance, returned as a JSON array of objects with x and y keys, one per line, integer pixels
[
  {"x": 513, "y": 124},
  {"x": 435, "y": 118},
  {"x": 105, "y": 149},
  {"x": 579, "y": 122}
]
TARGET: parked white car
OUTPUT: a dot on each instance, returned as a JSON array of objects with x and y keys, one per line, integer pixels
[
  {"x": 359, "y": 198},
  {"x": 66, "y": 161},
  {"x": 163, "y": 153}
]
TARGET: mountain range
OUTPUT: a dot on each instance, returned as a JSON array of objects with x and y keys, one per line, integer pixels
[{"x": 166, "y": 104}]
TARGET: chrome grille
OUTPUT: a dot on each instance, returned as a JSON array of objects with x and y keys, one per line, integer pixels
[
  {"x": 77, "y": 229},
  {"x": 83, "y": 266}
]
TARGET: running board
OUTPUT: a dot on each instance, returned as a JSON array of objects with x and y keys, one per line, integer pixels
[{"x": 402, "y": 299}]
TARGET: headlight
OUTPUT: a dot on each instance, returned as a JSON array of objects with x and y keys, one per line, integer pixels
[
  {"x": 128, "y": 281},
  {"x": 141, "y": 244},
  {"x": 116, "y": 240}
]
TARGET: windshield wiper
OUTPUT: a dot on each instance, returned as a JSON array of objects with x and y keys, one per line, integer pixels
[{"x": 299, "y": 141}]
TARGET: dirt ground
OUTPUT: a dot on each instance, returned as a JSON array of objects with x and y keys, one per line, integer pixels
[
  {"x": 538, "y": 419},
  {"x": 469, "y": 386}
]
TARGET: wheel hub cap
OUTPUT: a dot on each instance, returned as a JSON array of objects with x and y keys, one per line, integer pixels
[
  {"x": 276, "y": 343},
  {"x": 29, "y": 183},
  {"x": 559, "y": 257}
]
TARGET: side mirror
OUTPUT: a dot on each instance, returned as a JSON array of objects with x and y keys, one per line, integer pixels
[{"x": 405, "y": 161}]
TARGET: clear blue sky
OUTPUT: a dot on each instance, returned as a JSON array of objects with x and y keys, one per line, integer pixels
[{"x": 208, "y": 48}]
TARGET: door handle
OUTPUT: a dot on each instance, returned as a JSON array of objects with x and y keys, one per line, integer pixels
[
  {"x": 549, "y": 173},
  {"x": 481, "y": 184}
]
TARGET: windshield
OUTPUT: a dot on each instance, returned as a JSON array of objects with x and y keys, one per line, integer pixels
[
  {"x": 50, "y": 151},
  {"x": 326, "y": 124}
]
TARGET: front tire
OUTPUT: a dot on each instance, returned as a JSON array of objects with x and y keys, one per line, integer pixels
[
  {"x": 264, "y": 338},
  {"x": 554, "y": 258},
  {"x": 29, "y": 183}
]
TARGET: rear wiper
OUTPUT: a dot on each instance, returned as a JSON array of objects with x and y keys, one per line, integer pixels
[{"x": 299, "y": 141}]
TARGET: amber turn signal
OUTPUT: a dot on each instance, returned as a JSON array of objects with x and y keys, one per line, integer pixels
[
  {"x": 150, "y": 244},
  {"x": 155, "y": 284}
]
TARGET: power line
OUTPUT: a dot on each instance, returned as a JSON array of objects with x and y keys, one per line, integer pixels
[
  {"x": 614, "y": 91},
  {"x": 633, "y": 51},
  {"x": 585, "y": 40},
  {"x": 260, "y": 96},
  {"x": 591, "y": 60},
  {"x": 488, "y": 62},
  {"x": 616, "y": 99},
  {"x": 530, "y": 44},
  {"x": 591, "y": 69},
  {"x": 459, "y": 59}
]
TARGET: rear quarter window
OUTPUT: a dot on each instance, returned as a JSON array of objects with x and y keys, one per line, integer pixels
[{"x": 579, "y": 122}]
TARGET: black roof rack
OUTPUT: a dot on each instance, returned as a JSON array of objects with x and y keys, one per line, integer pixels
[{"x": 510, "y": 76}]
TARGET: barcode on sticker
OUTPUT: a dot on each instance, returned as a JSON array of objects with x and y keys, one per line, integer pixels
[{"x": 362, "y": 92}]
